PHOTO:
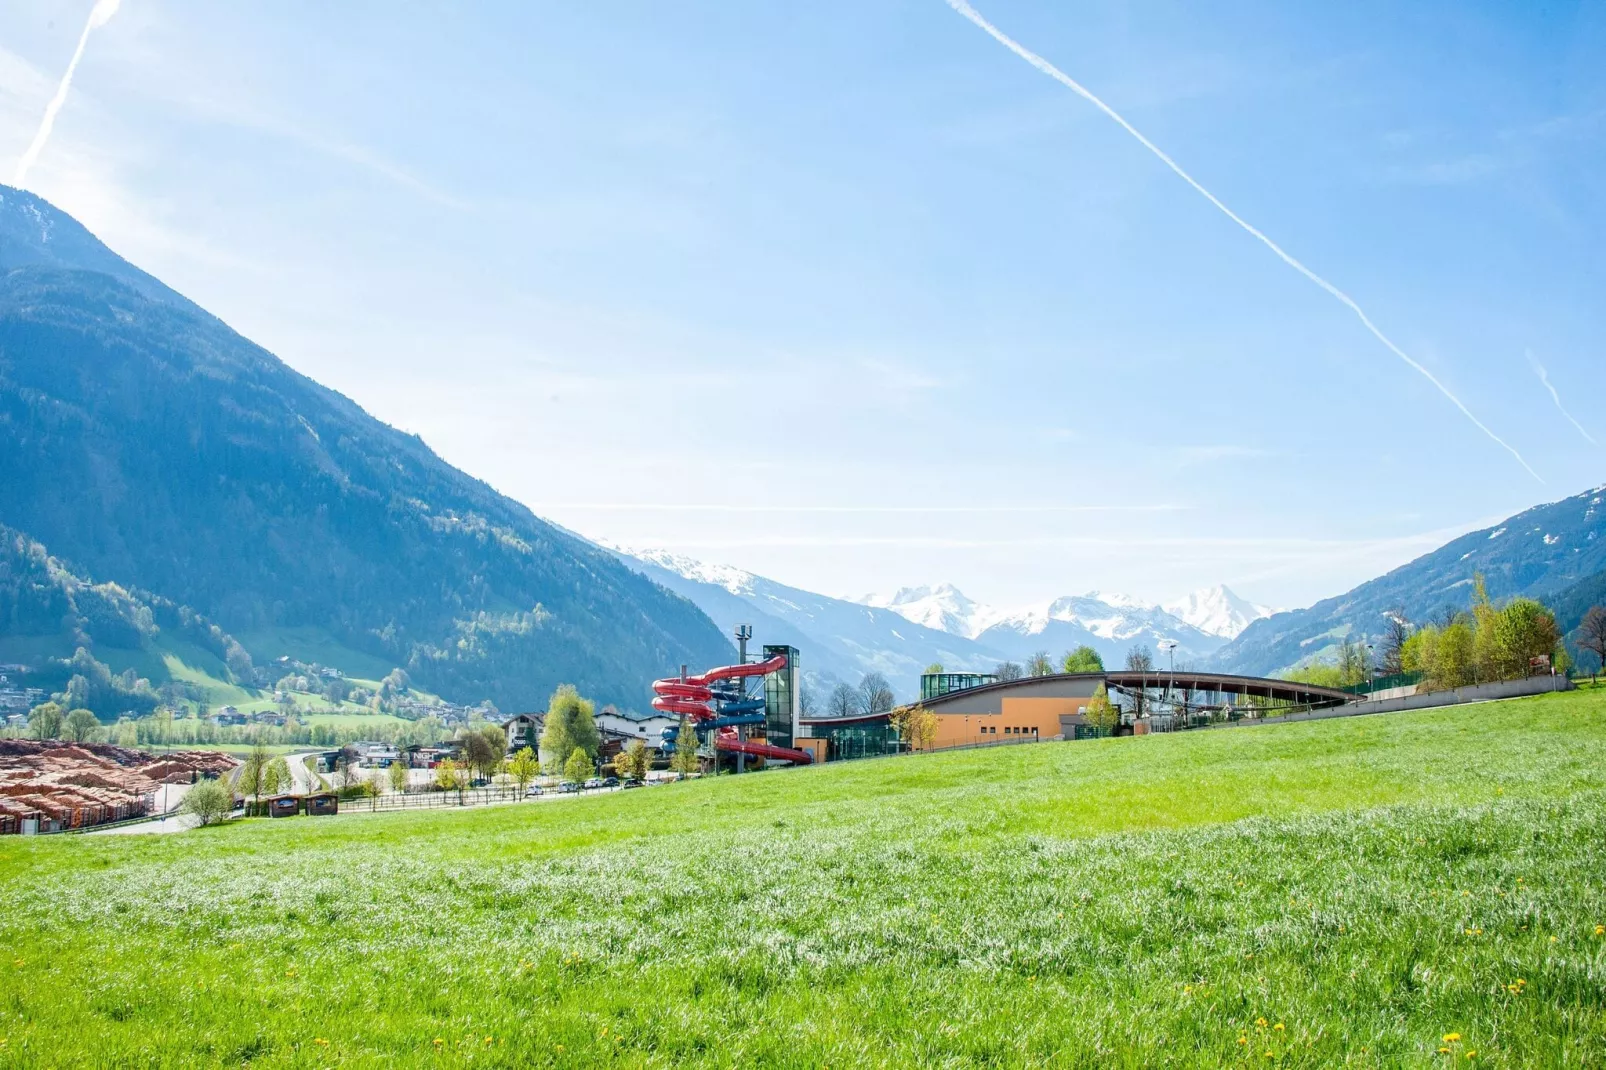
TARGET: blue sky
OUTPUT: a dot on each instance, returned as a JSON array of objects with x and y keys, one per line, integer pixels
[{"x": 849, "y": 295}]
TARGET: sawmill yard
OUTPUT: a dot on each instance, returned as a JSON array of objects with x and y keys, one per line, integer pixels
[
  {"x": 1412, "y": 889},
  {"x": 78, "y": 785}
]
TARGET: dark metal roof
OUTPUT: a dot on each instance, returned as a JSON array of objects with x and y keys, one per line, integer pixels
[{"x": 1228, "y": 683}]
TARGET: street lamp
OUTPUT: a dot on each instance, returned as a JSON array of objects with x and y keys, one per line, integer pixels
[{"x": 1169, "y": 648}]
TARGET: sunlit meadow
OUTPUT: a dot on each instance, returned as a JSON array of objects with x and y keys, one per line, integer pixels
[{"x": 1419, "y": 889}]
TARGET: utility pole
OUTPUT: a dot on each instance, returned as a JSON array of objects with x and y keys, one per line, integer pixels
[{"x": 744, "y": 632}]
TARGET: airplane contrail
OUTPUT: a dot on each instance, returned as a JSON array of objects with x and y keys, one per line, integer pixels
[
  {"x": 1543, "y": 378},
  {"x": 99, "y": 15},
  {"x": 1070, "y": 83}
]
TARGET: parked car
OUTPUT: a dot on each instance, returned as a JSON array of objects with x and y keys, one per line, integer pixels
[
  {"x": 633, "y": 783},
  {"x": 594, "y": 782},
  {"x": 533, "y": 791},
  {"x": 479, "y": 782},
  {"x": 568, "y": 787},
  {"x": 610, "y": 782}
]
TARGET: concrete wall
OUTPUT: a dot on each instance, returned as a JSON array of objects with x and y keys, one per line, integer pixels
[{"x": 1533, "y": 685}]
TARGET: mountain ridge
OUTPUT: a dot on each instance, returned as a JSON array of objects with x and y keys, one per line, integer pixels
[
  {"x": 151, "y": 445},
  {"x": 1538, "y": 552}
]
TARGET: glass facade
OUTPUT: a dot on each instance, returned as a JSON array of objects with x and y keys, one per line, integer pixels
[
  {"x": 933, "y": 684},
  {"x": 781, "y": 697},
  {"x": 863, "y": 740}
]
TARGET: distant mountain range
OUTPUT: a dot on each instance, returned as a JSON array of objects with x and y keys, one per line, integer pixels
[
  {"x": 900, "y": 634},
  {"x": 1111, "y": 624},
  {"x": 837, "y": 640},
  {"x": 146, "y": 443},
  {"x": 1553, "y": 552}
]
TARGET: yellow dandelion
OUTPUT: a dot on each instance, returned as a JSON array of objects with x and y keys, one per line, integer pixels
[
  {"x": 439, "y": 1042},
  {"x": 1600, "y": 930},
  {"x": 1451, "y": 1038},
  {"x": 320, "y": 1040},
  {"x": 1261, "y": 1022},
  {"x": 1278, "y": 1027},
  {"x": 1243, "y": 1040},
  {"x": 487, "y": 1040},
  {"x": 1444, "y": 1051},
  {"x": 1472, "y": 1055},
  {"x": 1553, "y": 939}
]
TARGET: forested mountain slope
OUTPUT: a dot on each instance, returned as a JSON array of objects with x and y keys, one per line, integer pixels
[
  {"x": 144, "y": 441},
  {"x": 1539, "y": 552}
]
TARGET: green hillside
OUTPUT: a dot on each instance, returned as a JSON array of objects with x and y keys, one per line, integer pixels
[
  {"x": 113, "y": 650},
  {"x": 1343, "y": 892},
  {"x": 149, "y": 445}
]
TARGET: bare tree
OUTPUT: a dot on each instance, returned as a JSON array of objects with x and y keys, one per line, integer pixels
[
  {"x": 1138, "y": 659},
  {"x": 844, "y": 701},
  {"x": 1039, "y": 664},
  {"x": 1592, "y": 635},
  {"x": 806, "y": 704},
  {"x": 1396, "y": 632},
  {"x": 875, "y": 694},
  {"x": 1008, "y": 670}
]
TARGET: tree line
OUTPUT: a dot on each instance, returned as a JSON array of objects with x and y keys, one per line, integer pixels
[{"x": 1459, "y": 647}]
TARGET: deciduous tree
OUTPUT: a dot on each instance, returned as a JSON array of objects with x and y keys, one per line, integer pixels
[
  {"x": 685, "y": 759},
  {"x": 79, "y": 726},
  {"x": 44, "y": 720},
  {"x": 1009, "y": 670},
  {"x": 1592, "y": 635},
  {"x": 875, "y": 694},
  {"x": 1083, "y": 659},
  {"x": 1101, "y": 713},
  {"x": 1396, "y": 631},
  {"x": 210, "y": 801},
  {"x": 448, "y": 777},
  {"x": 844, "y": 701},
  {"x": 636, "y": 760},
  {"x": 1138, "y": 659},
  {"x": 570, "y": 723},
  {"x": 524, "y": 768},
  {"x": 276, "y": 777},
  {"x": 579, "y": 766},
  {"x": 1039, "y": 664},
  {"x": 398, "y": 775}
]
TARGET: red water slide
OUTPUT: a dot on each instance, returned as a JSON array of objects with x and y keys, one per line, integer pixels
[
  {"x": 766, "y": 750},
  {"x": 693, "y": 698},
  {"x": 724, "y": 672}
]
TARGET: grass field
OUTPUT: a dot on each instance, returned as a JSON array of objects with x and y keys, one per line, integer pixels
[{"x": 1347, "y": 892}]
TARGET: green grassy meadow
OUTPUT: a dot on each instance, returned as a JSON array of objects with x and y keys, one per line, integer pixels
[{"x": 1337, "y": 893}]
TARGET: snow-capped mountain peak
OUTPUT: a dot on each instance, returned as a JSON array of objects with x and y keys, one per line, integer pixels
[
  {"x": 1217, "y": 611},
  {"x": 734, "y": 580},
  {"x": 944, "y": 607}
]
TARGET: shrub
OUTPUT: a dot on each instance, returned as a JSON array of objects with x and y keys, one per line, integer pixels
[{"x": 210, "y": 800}]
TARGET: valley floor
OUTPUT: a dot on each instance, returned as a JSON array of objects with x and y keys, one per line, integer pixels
[{"x": 1423, "y": 889}]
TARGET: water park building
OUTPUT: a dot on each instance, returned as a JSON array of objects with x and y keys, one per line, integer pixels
[{"x": 971, "y": 708}]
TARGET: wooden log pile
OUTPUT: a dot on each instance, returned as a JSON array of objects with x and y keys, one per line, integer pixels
[{"x": 76, "y": 785}]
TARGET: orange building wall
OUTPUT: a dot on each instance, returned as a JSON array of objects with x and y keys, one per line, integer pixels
[{"x": 1021, "y": 714}]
